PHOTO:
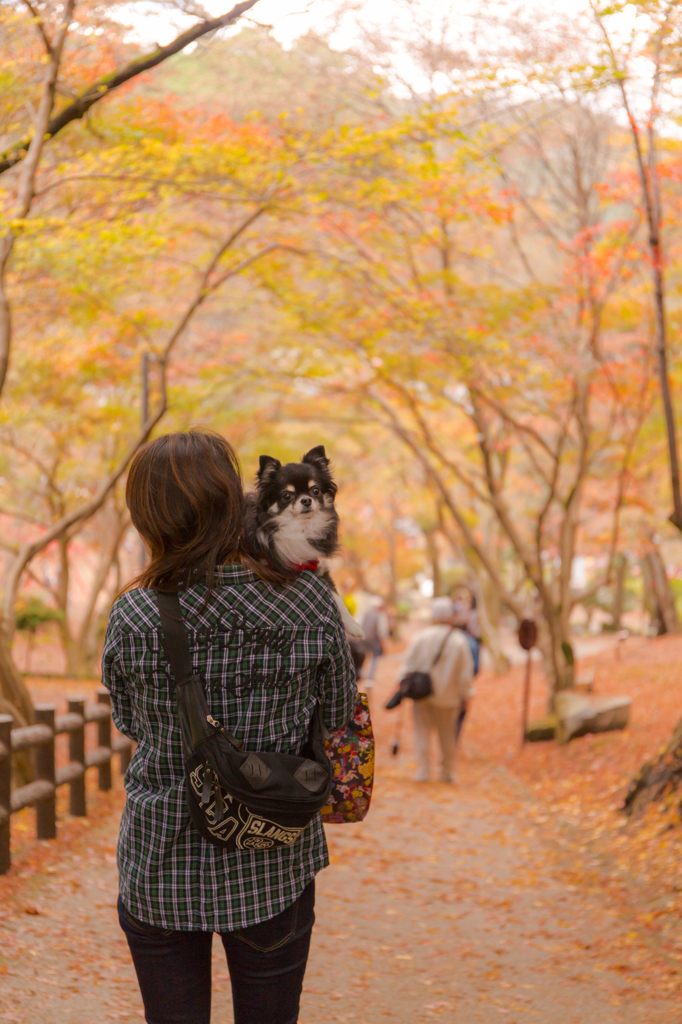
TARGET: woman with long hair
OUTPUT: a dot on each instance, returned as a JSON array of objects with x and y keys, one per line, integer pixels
[{"x": 268, "y": 647}]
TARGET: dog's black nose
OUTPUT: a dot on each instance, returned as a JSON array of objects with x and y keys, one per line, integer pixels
[{"x": 306, "y": 502}]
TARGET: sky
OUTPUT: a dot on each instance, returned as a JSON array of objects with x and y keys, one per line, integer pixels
[
  {"x": 290, "y": 19},
  {"x": 293, "y": 18}
]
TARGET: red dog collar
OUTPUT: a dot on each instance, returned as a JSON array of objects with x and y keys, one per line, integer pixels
[{"x": 310, "y": 566}]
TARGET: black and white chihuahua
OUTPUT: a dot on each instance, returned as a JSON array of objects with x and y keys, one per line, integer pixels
[{"x": 290, "y": 518}]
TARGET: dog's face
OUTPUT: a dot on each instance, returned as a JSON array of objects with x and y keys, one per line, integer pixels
[
  {"x": 297, "y": 501},
  {"x": 303, "y": 488}
]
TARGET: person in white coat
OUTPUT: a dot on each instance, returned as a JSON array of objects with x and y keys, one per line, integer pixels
[{"x": 452, "y": 673}]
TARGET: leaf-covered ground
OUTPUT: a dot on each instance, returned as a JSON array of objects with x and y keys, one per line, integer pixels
[
  {"x": 517, "y": 895},
  {"x": 580, "y": 787}
]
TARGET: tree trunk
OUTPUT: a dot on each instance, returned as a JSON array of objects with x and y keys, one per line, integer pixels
[
  {"x": 15, "y": 696},
  {"x": 557, "y": 658},
  {"x": 354, "y": 563},
  {"x": 15, "y": 700},
  {"x": 649, "y": 179},
  {"x": 434, "y": 560},
  {"x": 619, "y": 592},
  {"x": 488, "y": 607},
  {"x": 72, "y": 652},
  {"x": 88, "y": 632},
  {"x": 76, "y": 663},
  {"x": 489, "y": 610},
  {"x": 392, "y": 596},
  {"x": 30, "y": 643},
  {"x": 649, "y": 602},
  {"x": 657, "y": 778},
  {"x": 661, "y": 591}
]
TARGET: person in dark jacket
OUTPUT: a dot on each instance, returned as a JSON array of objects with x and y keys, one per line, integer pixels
[{"x": 267, "y": 649}]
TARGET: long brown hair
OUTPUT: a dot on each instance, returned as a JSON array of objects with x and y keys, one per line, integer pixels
[{"x": 186, "y": 500}]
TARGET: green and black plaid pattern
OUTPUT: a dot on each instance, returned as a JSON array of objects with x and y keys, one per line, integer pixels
[{"x": 266, "y": 655}]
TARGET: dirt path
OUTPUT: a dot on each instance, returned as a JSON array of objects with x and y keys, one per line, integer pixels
[{"x": 448, "y": 902}]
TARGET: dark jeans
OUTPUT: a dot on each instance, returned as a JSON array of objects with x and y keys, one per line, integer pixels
[{"x": 266, "y": 962}]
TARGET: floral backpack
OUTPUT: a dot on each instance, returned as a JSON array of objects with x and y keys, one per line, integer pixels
[{"x": 351, "y": 752}]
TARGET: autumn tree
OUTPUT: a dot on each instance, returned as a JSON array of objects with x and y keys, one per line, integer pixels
[
  {"x": 223, "y": 204},
  {"x": 519, "y": 392},
  {"x": 642, "y": 67}
]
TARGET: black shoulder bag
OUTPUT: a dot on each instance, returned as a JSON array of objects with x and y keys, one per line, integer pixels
[
  {"x": 417, "y": 685},
  {"x": 239, "y": 800}
]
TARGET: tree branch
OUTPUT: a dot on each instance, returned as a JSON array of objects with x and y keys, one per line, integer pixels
[
  {"x": 103, "y": 86},
  {"x": 508, "y": 418},
  {"x": 428, "y": 438},
  {"x": 469, "y": 537},
  {"x": 26, "y": 186},
  {"x": 648, "y": 173},
  {"x": 100, "y": 577},
  {"x": 29, "y": 550},
  {"x": 40, "y": 27},
  {"x": 498, "y": 503}
]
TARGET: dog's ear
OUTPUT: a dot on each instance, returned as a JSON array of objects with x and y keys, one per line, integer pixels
[
  {"x": 268, "y": 466},
  {"x": 316, "y": 457}
]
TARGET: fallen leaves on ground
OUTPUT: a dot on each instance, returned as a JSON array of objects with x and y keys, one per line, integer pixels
[
  {"x": 579, "y": 787},
  {"x": 521, "y": 888}
]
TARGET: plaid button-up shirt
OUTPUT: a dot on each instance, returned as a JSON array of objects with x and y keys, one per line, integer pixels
[{"x": 266, "y": 655}]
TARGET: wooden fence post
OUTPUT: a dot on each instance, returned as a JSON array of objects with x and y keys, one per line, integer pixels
[
  {"x": 46, "y": 809},
  {"x": 104, "y": 740},
  {"x": 77, "y": 805},
  {"x": 5, "y": 789}
]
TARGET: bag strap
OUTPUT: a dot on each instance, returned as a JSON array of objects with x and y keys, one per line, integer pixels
[
  {"x": 179, "y": 654},
  {"x": 442, "y": 646},
  {"x": 175, "y": 642}
]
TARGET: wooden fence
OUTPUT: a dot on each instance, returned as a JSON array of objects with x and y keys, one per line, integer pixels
[{"x": 40, "y": 738}]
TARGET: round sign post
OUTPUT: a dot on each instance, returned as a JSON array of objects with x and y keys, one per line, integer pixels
[{"x": 528, "y": 635}]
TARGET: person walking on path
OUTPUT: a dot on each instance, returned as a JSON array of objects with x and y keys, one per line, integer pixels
[
  {"x": 443, "y": 651},
  {"x": 267, "y": 649},
  {"x": 375, "y": 627},
  {"x": 467, "y": 621}
]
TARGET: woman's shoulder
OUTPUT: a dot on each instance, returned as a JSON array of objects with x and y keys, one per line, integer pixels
[
  {"x": 134, "y": 610},
  {"x": 308, "y": 600},
  {"x": 315, "y": 598}
]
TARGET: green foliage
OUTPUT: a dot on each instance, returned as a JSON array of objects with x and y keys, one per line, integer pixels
[{"x": 32, "y": 613}]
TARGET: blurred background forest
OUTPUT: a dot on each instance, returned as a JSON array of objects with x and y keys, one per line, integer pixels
[{"x": 439, "y": 239}]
